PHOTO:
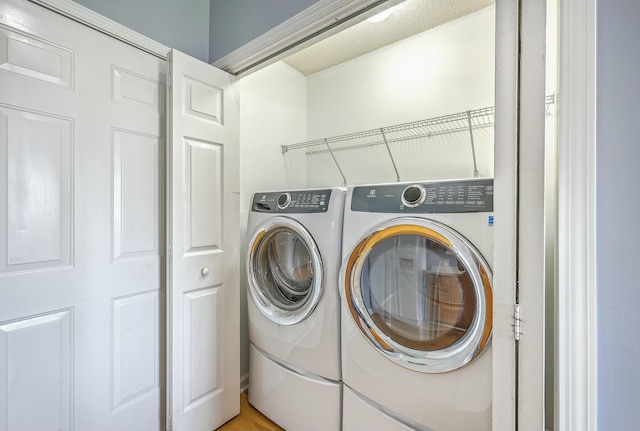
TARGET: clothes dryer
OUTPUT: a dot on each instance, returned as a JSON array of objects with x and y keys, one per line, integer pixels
[
  {"x": 293, "y": 262},
  {"x": 416, "y": 294}
]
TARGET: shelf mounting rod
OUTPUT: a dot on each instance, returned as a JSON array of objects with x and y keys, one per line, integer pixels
[
  {"x": 344, "y": 179},
  {"x": 473, "y": 147},
  {"x": 393, "y": 162}
]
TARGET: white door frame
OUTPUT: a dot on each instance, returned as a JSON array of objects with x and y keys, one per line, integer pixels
[
  {"x": 576, "y": 397},
  {"x": 519, "y": 272},
  {"x": 531, "y": 211},
  {"x": 576, "y": 331},
  {"x": 505, "y": 209}
]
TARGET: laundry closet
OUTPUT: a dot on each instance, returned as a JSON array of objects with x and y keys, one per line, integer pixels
[
  {"x": 444, "y": 72},
  {"x": 335, "y": 126}
]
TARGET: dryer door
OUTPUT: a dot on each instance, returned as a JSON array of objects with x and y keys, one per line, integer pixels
[
  {"x": 285, "y": 271},
  {"x": 420, "y": 293}
]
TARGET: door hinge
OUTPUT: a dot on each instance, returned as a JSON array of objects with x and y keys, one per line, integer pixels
[
  {"x": 169, "y": 81},
  {"x": 169, "y": 424},
  {"x": 517, "y": 330},
  {"x": 169, "y": 253}
]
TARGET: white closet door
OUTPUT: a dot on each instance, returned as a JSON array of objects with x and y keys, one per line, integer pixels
[
  {"x": 204, "y": 288},
  {"x": 81, "y": 238}
]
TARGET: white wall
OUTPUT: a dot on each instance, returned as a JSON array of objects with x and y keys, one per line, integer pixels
[
  {"x": 273, "y": 112},
  {"x": 446, "y": 70}
]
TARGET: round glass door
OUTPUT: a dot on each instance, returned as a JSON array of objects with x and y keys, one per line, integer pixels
[
  {"x": 420, "y": 293},
  {"x": 285, "y": 271}
]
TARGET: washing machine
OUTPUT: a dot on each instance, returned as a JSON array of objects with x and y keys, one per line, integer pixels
[
  {"x": 415, "y": 286},
  {"x": 293, "y": 262}
]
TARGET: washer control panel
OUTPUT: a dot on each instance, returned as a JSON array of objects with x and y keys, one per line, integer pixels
[
  {"x": 473, "y": 195},
  {"x": 292, "y": 202}
]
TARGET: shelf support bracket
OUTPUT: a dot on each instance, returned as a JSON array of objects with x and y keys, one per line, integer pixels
[
  {"x": 393, "y": 162},
  {"x": 344, "y": 179},
  {"x": 473, "y": 147}
]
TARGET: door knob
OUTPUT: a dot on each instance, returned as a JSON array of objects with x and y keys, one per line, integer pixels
[{"x": 204, "y": 271}]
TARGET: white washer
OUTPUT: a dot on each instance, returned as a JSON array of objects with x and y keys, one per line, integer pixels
[
  {"x": 293, "y": 261},
  {"x": 416, "y": 297}
]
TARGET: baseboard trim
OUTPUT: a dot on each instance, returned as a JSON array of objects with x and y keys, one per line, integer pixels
[{"x": 244, "y": 382}]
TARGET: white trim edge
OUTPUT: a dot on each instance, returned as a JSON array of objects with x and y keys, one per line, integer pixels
[
  {"x": 504, "y": 366},
  {"x": 299, "y": 32},
  {"x": 244, "y": 382},
  {"x": 577, "y": 326},
  {"x": 104, "y": 25}
]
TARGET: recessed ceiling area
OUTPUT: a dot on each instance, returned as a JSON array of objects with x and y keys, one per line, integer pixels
[{"x": 408, "y": 18}]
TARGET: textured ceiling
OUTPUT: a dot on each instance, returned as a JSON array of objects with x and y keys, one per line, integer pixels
[{"x": 407, "y": 19}]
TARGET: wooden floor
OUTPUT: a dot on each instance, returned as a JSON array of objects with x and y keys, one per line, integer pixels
[{"x": 249, "y": 419}]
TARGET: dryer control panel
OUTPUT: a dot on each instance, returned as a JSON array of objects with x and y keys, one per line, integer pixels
[
  {"x": 459, "y": 196},
  {"x": 292, "y": 202}
]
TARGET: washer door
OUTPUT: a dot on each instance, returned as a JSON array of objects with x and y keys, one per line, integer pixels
[
  {"x": 420, "y": 293},
  {"x": 285, "y": 271}
]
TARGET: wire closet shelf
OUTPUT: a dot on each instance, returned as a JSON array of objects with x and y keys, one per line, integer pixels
[{"x": 452, "y": 123}]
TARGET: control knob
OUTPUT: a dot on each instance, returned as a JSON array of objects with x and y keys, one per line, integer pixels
[
  {"x": 284, "y": 200},
  {"x": 413, "y": 195}
]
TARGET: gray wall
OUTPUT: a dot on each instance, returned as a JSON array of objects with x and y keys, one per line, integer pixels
[
  {"x": 179, "y": 24},
  {"x": 205, "y": 29},
  {"x": 235, "y": 23},
  {"x": 618, "y": 213}
]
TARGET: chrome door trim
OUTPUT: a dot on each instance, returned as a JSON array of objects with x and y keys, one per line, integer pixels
[
  {"x": 266, "y": 307},
  {"x": 448, "y": 359}
]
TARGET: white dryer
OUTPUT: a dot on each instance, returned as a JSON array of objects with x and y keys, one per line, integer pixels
[
  {"x": 293, "y": 262},
  {"x": 415, "y": 287}
]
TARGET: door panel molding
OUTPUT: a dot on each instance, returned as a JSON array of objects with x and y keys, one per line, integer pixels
[
  {"x": 30, "y": 56},
  {"x": 136, "y": 330},
  {"x": 136, "y": 185},
  {"x": 50, "y": 388},
  {"x": 36, "y": 142}
]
